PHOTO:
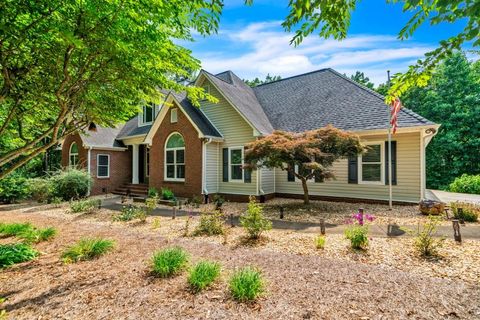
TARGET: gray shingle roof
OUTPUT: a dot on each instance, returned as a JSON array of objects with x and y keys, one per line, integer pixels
[
  {"x": 243, "y": 97},
  {"x": 316, "y": 99},
  {"x": 103, "y": 137},
  {"x": 131, "y": 129}
]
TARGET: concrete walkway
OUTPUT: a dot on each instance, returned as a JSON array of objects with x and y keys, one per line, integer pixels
[
  {"x": 448, "y": 197},
  {"x": 468, "y": 231}
]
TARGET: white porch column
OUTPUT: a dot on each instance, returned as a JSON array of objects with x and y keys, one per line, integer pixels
[{"x": 135, "y": 163}]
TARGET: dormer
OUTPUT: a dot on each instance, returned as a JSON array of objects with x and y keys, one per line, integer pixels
[{"x": 148, "y": 114}]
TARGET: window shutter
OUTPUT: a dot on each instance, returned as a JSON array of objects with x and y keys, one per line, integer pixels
[
  {"x": 353, "y": 169},
  {"x": 317, "y": 177},
  {"x": 225, "y": 164},
  {"x": 247, "y": 175},
  {"x": 394, "y": 162},
  {"x": 290, "y": 176}
]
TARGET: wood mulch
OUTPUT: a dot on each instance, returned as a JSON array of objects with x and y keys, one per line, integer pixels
[{"x": 301, "y": 283}]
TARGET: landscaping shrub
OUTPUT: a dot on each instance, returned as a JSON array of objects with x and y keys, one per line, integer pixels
[
  {"x": 196, "y": 201},
  {"x": 13, "y": 229},
  {"x": 87, "y": 249},
  {"x": 218, "y": 200},
  {"x": 167, "y": 194},
  {"x": 203, "y": 274},
  {"x": 246, "y": 284},
  {"x": 152, "y": 192},
  {"x": 150, "y": 205},
  {"x": 15, "y": 253},
  {"x": 13, "y": 188},
  {"x": 168, "y": 262},
  {"x": 71, "y": 184},
  {"x": 425, "y": 242},
  {"x": 40, "y": 189},
  {"x": 86, "y": 205},
  {"x": 320, "y": 242},
  {"x": 37, "y": 235},
  {"x": 211, "y": 223},
  {"x": 470, "y": 212},
  {"x": 131, "y": 212},
  {"x": 357, "y": 232},
  {"x": 253, "y": 220},
  {"x": 466, "y": 184}
]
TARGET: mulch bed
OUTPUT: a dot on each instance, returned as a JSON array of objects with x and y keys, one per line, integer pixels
[{"x": 300, "y": 285}]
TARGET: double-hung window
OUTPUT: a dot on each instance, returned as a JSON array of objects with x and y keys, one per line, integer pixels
[
  {"x": 103, "y": 166},
  {"x": 175, "y": 158},
  {"x": 236, "y": 164},
  {"x": 371, "y": 164},
  {"x": 148, "y": 114}
]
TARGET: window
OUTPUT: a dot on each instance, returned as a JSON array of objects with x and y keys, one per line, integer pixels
[
  {"x": 103, "y": 166},
  {"x": 73, "y": 155},
  {"x": 371, "y": 164},
  {"x": 173, "y": 115},
  {"x": 175, "y": 158},
  {"x": 148, "y": 114},
  {"x": 236, "y": 163}
]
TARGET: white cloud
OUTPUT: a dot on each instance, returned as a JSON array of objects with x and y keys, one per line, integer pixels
[{"x": 263, "y": 48}]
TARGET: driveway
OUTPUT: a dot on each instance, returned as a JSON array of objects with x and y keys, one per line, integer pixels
[{"x": 448, "y": 197}]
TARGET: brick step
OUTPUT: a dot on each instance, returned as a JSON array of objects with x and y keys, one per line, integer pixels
[
  {"x": 132, "y": 189},
  {"x": 133, "y": 195},
  {"x": 136, "y": 190}
]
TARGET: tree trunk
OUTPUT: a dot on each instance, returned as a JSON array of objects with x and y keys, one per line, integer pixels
[{"x": 306, "y": 200}]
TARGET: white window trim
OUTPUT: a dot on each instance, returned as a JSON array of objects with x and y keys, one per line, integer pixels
[
  {"x": 230, "y": 179},
  {"x": 172, "y": 112},
  {"x": 141, "y": 122},
  {"x": 108, "y": 165},
  {"x": 311, "y": 180},
  {"x": 382, "y": 164},
  {"x": 70, "y": 154},
  {"x": 165, "y": 178}
]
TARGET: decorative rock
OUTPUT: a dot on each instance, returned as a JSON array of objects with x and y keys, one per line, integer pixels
[{"x": 432, "y": 207}]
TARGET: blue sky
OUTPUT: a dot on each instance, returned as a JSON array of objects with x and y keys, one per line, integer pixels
[{"x": 252, "y": 43}]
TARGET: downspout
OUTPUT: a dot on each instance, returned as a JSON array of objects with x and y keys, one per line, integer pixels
[
  {"x": 425, "y": 138},
  {"x": 89, "y": 152},
  {"x": 204, "y": 166}
]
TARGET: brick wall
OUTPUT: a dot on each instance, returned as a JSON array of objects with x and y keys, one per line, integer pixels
[
  {"x": 120, "y": 170},
  {"x": 193, "y": 157},
  {"x": 82, "y": 152}
]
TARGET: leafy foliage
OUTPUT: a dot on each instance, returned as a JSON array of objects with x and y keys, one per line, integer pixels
[
  {"x": 451, "y": 99},
  {"x": 470, "y": 212},
  {"x": 34, "y": 235},
  {"x": 358, "y": 236},
  {"x": 152, "y": 192},
  {"x": 312, "y": 152},
  {"x": 362, "y": 79},
  {"x": 41, "y": 189},
  {"x": 256, "y": 82},
  {"x": 254, "y": 221},
  {"x": 131, "y": 212},
  {"x": 320, "y": 241},
  {"x": 15, "y": 253},
  {"x": 211, "y": 223},
  {"x": 71, "y": 184},
  {"x": 85, "y": 205},
  {"x": 425, "y": 242},
  {"x": 13, "y": 188},
  {"x": 466, "y": 184},
  {"x": 67, "y": 64},
  {"x": 87, "y": 249},
  {"x": 203, "y": 274},
  {"x": 167, "y": 194},
  {"x": 246, "y": 284},
  {"x": 13, "y": 229},
  {"x": 168, "y": 262}
]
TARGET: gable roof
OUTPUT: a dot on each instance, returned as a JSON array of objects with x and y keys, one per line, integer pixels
[
  {"x": 102, "y": 138},
  {"x": 132, "y": 129},
  {"x": 316, "y": 99},
  {"x": 243, "y": 98}
]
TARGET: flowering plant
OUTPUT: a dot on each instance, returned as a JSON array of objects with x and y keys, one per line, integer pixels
[{"x": 357, "y": 233}]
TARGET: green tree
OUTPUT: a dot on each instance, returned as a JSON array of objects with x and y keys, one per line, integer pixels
[
  {"x": 306, "y": 155},
  {"x": 331, "y": 18},
  {"x": 65, "y": 64},
  {"x": 362, "y": 79},
  {"x": 255, "y": 82},
  {"x": 452, "y": 99}
]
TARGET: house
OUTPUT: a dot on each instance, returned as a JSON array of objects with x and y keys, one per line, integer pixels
[{"x": 199, "y": 151}]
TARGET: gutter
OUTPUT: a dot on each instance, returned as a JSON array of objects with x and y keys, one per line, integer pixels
[{"x": 204, "y": 165}]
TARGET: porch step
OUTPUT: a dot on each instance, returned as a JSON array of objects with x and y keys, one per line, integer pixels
[{"x": 135, "y": 190}]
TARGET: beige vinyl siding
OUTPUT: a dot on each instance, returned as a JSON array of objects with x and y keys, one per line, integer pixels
[
  {"x": 267, "y": 181},
  {"x": 211, "y": 167},
  {"x": 236, "y": 132},
  {"x": 408, "y": 176}
]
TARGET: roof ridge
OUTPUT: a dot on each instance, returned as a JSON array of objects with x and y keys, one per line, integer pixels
[{"x": 291, "y": 77}]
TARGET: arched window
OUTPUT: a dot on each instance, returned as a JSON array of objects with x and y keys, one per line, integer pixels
[
  {"x": 73, "y": 155},
  {"x": 175, "y": 158}
]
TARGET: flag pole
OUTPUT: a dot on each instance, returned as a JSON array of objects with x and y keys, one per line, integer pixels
[{"x": 390, "y": 196}]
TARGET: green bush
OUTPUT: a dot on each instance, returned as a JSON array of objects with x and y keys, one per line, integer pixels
[
  {"x": 466, "y": 184},
  {"x": 15, "y": 253},
  {"x": 425, "y": 242},
  {"x": 86, "y": 205},
  {"x": 152, "y": 192},
  {"x": 14, "y": 187},
  {"x": 203, "y": 274},
  {"x": 14, "y": 229},
  {"x": 358, "y": 236},
  {"x": 131, "y": 212},
  {"x": 71, "y": 184},
  {"x": 470, "y": 212},
  {"x": 168, "y": 262},
  {"x": 87, "y": 249},
  {"x": 254, "y": 221},
  {"x": 211, "y": 223},
  {"x": 218, "y": 200},
  {"x": 37, "y": 235},
  {"x": 167, "y": 194},
  {"x": 320, "y": 242},
  {"x": 41, "y": 189},
  {"x": 246, "y": 284}
]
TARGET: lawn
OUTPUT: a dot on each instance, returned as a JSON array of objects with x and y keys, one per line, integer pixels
[{"x": 301, "y": 281}]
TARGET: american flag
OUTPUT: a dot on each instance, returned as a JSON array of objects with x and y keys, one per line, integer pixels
[{"x": 396, "y": 106}]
